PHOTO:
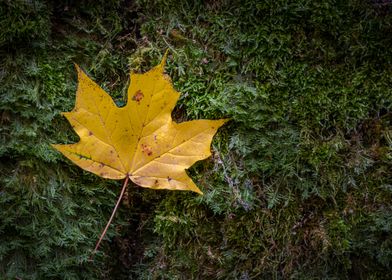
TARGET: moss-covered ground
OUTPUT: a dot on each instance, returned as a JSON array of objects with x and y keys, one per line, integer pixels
[{"x": 299, "y": 185}]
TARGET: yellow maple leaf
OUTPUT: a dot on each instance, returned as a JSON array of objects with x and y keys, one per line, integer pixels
[{"x": 139, "y": 141}]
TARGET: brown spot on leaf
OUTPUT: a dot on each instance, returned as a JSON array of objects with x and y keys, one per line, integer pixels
[
  {"x": 146, "y": 149},
  {"x": 90, "y": 133},
  {"x": 138, "y": 96},
  {"x": 101, "y": 165},
  {"x": 156, "y": 183},
  {"x": 169, "y": 179}
]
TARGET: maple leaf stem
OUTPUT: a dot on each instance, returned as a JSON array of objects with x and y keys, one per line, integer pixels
[{"x": 111, "y": 217}]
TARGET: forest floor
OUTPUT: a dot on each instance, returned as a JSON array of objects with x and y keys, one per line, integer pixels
[{"x": 299, "y": 184}]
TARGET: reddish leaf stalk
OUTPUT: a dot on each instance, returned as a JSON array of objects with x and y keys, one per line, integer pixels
[{"x": 111, "y": 217}]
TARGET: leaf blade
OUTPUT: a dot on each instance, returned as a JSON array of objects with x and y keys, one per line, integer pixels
[{"x": 139, "y": 140}]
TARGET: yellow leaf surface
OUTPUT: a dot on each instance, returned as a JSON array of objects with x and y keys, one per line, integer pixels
[{"x": 139, "y": 140}]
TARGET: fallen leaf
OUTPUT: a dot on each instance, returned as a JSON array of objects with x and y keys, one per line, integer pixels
[{"x": 139, "y": 141}]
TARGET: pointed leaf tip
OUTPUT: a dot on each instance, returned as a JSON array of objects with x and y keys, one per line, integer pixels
[
  {"x": 77, "y": 67},
  {"x": 163, "y": 61}
]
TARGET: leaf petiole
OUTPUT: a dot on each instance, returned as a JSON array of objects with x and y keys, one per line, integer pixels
[{"x": 111, "y": 217}]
